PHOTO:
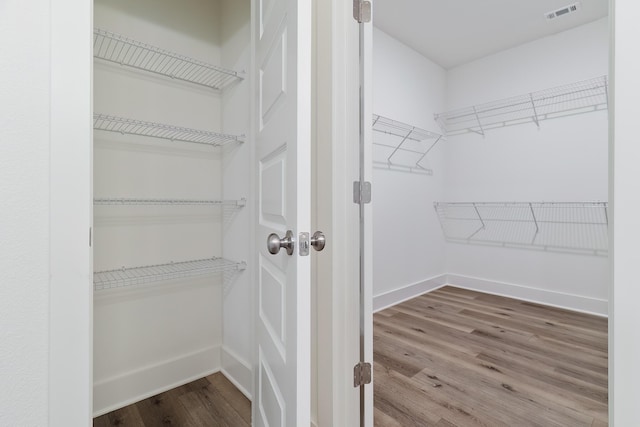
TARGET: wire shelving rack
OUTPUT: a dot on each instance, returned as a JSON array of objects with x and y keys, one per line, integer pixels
[
  {"x": 110, "y": 279},
  {"x": 124, "y": 201},
  {"x": 401, "y": 146},
  {"x": 122, "y": 50},
  {"x": 127, "y": 126},
  {"x": 579, "y": 227},
  {"x": 570, "y": 99}
]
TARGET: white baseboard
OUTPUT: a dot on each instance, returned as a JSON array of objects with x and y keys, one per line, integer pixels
[
  {"x": 117, "y": 392},
  {"x": 598, "y": 307},
  {"x": 237, "y": 370},
  {"x": 396, "y": 296}
]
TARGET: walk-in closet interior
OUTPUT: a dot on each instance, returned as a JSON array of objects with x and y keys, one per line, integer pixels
[
  {"x": 491, "y": 265},
  {"x": 172, "y": 299}
]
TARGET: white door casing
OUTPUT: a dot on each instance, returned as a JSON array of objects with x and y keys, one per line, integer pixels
[{"x": 281, "y": 44}]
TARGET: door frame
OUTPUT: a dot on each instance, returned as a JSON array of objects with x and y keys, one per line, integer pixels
[
  {"x": 624, "y": 201},
  {"x": 70, "y": 367},
  {"x": 71, "y": 290},
  {"x": 336, "y": 131}
]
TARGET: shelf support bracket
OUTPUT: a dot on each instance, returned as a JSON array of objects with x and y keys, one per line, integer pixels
[
  {"x": 481, "y": 132},
  {"x": 399, "y": 145},
  {"x": 535, "y": 221},
  {"x": 481, "y": 222},
  {"x": 427, "y": 152},
  {"x": 535, "y": 113}
]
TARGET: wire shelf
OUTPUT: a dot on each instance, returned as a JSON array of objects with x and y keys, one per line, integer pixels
[
  {"x": 580, "y": 227},
  {"x": 400, "y": 146},
  {"x": 163, "y": 131},
  {"x": 155, "y": 273},
  {"x": 570, "y": 99},
  {"x": 121, "y": 201},
  {"x": 121, "y": 50}
]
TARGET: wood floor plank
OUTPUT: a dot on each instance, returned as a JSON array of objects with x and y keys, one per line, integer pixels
[
  {"x": 489, "y": 360},
  {"x": 579, "y": 387},
  {"x": 558, "y": 334},
  {"x": 102, "y": 421},
  {"x": 598, "y": 357},
  {"x": 429, "y": 333},
  {"x": 445, "y": 423},
  {"x": 480, "y": 337},
  {"x": 127, "y": 417},
  {"x": 227, "y": 415},
  {"x": 439, "y": 348},
  {"x": 490, "y": 396},
  {"x": 232, "y": 396},
  {"x": 461, "y": 319},
  {"x": 599, "y": 423},
  {"x": 456, "y": 304},
  {"x": 395, "y": 396},
  {"x": 595, "y": 323},
  {"x": 165, "y": 410},
  {"x": 212, "y": 402},
  {"x": 479, "y": 375},
  {"x": 201, "y": 414},
  {"x": 594, "y": 378},
  {"x": 380, "y": 419},
  {"x": 421, "y": 333}
]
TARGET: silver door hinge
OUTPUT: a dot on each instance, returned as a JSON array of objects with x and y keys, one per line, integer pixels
[
  {"x": 361, "y": 193},
  {"x": 362, "y": 11},
  {"x": 361, "y": 374}
]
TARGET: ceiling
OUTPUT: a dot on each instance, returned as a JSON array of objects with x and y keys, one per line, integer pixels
[{"x": 454, "y": 32}]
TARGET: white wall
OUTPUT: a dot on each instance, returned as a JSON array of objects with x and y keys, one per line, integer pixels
[
  {"x": 565, "y": 160},
  {"x": 24, "y": 217},
  {"x": 408, "y": 242},
  {"x": 238, "y": 305}
]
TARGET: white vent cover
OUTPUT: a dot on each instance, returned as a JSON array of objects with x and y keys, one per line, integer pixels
[{"x": 572, "y": 8}]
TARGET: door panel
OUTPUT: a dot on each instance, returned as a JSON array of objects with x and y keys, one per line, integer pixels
[{"x": 281, "y": 42}]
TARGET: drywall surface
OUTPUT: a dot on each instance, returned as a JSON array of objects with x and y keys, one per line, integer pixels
[
  {"x": 148, "y": 338},
  {"x": 238, "y": 183},
  {"x": 24, "y": 216},
  {"x": 408, "y": 245},
  {"x": 565, "y": 160}
]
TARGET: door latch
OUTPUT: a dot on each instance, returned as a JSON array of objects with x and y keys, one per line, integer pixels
[{"x": 317, "y": 241}]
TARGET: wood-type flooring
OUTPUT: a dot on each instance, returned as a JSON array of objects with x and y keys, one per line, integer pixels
[
  {"x": 455, "y": 357},
  {"x": 208, "y": 402}
]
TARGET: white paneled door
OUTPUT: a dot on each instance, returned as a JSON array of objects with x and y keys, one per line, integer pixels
[{"x": 282, "y": 115}]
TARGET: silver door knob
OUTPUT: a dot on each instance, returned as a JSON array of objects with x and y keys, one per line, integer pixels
[
  {"x": 275, "y": 243},
  {"x": 318, "y": 241}
]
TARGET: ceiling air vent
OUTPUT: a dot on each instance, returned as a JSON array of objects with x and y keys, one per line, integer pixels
[{"x": 572, "y": 8}]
